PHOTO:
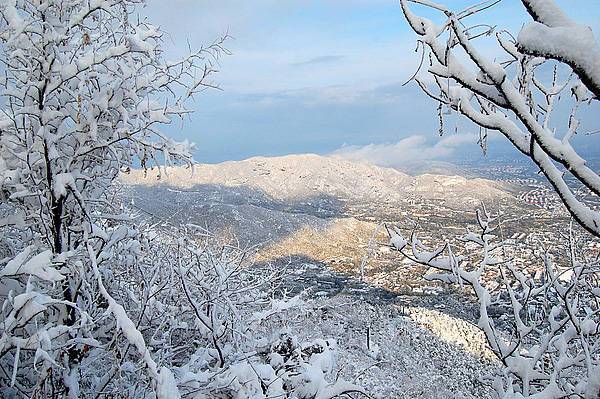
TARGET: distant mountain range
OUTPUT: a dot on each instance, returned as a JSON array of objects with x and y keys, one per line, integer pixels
[
  {"x": 318, "y": 208},
  {"x": 262, "y": 200},
  {"x": 294, "y": 178}
]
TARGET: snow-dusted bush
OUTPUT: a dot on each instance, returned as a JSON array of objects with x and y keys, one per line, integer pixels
[
  {"x": 543, "y": 326},
  {"x": 92, "y": 305},
  {"x": 517, "y": 92},
  {"x": 84, "y": 89},
  {"x": 210, "y": 320}
]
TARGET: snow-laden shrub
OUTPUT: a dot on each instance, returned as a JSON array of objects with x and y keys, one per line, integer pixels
[
  {"x": 84, "y": 91},
  {"x": 543, "y": 325},
  {"x": 92, "y": 306},
  {"x": 169, "y": 317}
]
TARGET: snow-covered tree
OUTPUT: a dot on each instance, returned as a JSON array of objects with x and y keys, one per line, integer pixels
[
  {"x": 94, "y": 305},
  {"x": 517, "y": 93},
  {"x": 543, "y": 324},
  {"x": 84, "y": 91}
]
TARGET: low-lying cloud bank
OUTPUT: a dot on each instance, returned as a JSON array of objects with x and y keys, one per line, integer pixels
[{"x": 409, "y": 150}]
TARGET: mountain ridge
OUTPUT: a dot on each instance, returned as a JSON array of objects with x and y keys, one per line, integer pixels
[
  {"x": 303, "y": 176},
  {"x": 308, "y": 209}
]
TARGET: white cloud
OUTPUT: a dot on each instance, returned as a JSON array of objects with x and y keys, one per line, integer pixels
[{"x": 411, "y": 149}]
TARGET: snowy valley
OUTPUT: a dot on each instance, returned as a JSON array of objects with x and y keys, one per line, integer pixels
[{"x": 320, "y": 221}]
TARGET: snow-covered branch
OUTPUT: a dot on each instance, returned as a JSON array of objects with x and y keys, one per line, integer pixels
[
  {"x": 85, "y": 91},
  {"x": 513, "y": 96},
  {"x": 543, "y": 324}
]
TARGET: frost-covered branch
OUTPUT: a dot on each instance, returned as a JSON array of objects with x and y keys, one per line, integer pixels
[
  {"x": 513, "y": 96},
  {"x": 85, "y": 92},
  {"x": 554, "y": 35},
  {"x": 544, "y": 325}
]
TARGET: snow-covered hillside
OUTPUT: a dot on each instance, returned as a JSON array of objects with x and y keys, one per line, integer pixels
[
  {"x": 315, "y": 217},
  {"x": 301, "y": 177},
  {"x": 319, "y": 208}
]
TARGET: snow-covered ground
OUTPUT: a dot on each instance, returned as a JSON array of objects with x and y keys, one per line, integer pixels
[{"x": 414, "y": 352}]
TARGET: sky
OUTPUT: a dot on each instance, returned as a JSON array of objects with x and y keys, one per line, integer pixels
[{"x": 324, "y": 76}]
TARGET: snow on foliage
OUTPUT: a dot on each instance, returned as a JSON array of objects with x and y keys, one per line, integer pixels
[
  {"x": 514, "y": 95},
  {"x": 544, "y": 327},
  {"x": 92, "y": 305},
  {"x": 84, "y": 90}
]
